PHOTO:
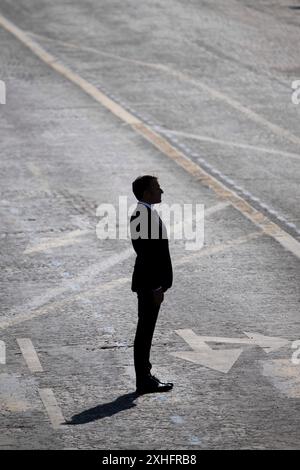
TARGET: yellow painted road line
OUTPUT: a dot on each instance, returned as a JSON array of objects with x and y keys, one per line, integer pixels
[
  {"x": 53, "y": 62},
  {"x": 257, "y": 217}
]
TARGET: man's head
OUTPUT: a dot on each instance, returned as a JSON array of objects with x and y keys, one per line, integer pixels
[{"x": 147, "y": 189}]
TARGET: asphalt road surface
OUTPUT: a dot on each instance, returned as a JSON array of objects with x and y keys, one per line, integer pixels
[{"x": 200, "y": 94}]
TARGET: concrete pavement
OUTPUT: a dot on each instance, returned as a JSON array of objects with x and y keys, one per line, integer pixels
[{"x": 65, "y": 291}]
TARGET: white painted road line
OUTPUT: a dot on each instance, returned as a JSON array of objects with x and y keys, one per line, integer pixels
[
  {"x": 30, "y": 354},
  {"x": 57, "y": 305},
  {"x": 229, "y": 143},
  {"x": 215, "y": 94},
  {"x": 218, "y": 248},
  {"x": 52, "y": 407},
  {"x": 216, "y": 207},
  {"x": 87, "y": 275},
  {"x": 76, "y": 283},
  {"x": 116, "y": 283},
  {"x": 62, "y": 240},
  {"x": 37, "y": 172},
  {"x": 66, "y": 72},
  {"x": 2, "y": 352},
  {"x": 233, "y": 103},
  {"x": 257, "y": 217},
  {"x": 178, "y": 228}
]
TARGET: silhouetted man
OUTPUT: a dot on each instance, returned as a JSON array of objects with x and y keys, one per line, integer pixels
[{"x": 152, "y": 276}]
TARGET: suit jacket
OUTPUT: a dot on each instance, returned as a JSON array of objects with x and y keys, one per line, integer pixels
[{"x": 153, "y": 266}]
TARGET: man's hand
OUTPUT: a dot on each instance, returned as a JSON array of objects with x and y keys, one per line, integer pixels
[{"x": 158, "y": 296}]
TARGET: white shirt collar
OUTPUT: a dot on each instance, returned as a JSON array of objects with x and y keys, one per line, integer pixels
[{"x": 146, "y": 204}]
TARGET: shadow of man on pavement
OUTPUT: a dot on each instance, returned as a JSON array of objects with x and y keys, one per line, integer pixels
[{"x": 124, "y": 402}]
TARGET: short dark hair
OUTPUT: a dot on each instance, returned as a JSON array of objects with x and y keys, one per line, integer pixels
[{"x": 141, "y": 184}]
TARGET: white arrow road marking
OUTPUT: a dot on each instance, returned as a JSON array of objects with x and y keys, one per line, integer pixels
[
  {"x": 204, "y": 355},
  {"x": 267, "y": 343},
  {"x": 207, "y": 357},
  {"x": 223, "y": 360}
]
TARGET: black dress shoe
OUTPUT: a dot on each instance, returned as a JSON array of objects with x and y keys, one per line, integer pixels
[
  {"x": 153, "y": 385},
  {"x": 152, "y": 377}
]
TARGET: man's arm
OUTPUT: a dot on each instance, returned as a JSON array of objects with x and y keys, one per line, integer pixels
[{"x": 158, "y": 295}]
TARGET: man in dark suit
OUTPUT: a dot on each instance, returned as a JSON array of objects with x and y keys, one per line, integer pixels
[{"x": 152, "y": 276}]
